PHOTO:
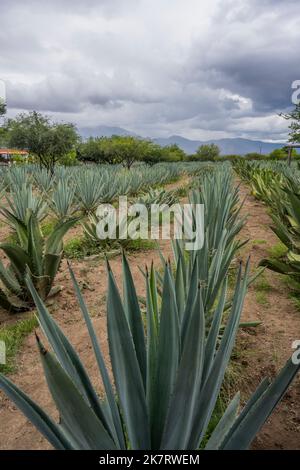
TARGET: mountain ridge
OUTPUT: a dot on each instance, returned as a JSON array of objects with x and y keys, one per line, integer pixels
[{"x": 234, "y": 145}]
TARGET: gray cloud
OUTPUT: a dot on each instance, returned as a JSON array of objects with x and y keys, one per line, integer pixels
[{"x": 223, "y": 68}]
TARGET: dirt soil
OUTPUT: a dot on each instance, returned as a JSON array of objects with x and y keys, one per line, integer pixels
[{"x": 262, "y": 350}]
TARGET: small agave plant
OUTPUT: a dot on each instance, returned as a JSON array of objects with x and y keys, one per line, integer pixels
[
  {"x": 33, "y": 254},
  {"x": 167, "y": 368}
]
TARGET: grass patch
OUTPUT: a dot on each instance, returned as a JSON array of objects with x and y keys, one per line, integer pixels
[
  {"x": 261, "y": 298},
  {"x": 48, "y": 227},
  {"x": 13, "y": 337},
  {"x": 262, "y": 287},
  {"x": 80, "y": 247},
  {"x": 141, "y": 245},
  {"x": 259, "y": 241},
  {"x": 278, "y": 250}
]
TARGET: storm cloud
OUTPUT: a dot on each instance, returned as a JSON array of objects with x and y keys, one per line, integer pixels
[{"x": 160, "y": 67}]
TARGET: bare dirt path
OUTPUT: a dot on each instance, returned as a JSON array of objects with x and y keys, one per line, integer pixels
[{"x": 264, "y": 349}]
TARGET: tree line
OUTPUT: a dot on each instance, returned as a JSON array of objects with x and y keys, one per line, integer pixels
[{"x": 50, "y": 143}]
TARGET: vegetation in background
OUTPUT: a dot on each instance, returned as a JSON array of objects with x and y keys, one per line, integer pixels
[
  {"x": 207, "y": 152},
  {"x": 49, "y": 142},
  {"x": 294, "y": 118},
  {"x": 127, "y": 150}
]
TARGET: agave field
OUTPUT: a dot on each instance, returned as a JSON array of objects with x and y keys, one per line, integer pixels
[
  {"x": 137, "y": 350},
  {"x": 279, "y": 187}
]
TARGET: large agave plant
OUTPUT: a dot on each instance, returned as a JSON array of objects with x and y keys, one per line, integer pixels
[
  {"x": 38, "y": 257},
  {"x": 287, "y": 229},
  {"x": 166, "y": 382}
]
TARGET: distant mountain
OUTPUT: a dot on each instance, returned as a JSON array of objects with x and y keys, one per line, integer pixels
[
  {"x": 236, "y": 146},
  {"x": 227, "y": 146}
]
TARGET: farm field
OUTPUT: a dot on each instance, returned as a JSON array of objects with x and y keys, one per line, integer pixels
[{"x": 33, "y": 200}]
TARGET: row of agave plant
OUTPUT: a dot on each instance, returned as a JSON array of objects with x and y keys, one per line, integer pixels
[
  {"x": 71, "y": 195},
  {"x": 279, "y": 187},
  {"x": 87, "y": 185},
  {"x": 168, "y": 363}
]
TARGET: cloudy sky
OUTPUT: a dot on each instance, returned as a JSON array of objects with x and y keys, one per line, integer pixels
[{"x": 200, "y": 69}]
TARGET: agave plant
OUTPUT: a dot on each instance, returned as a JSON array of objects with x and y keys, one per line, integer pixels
[
  {"x": 21, "y": 203},
  {"x": 221, "y": 224},
  {"x": 166, "y": 381},
  {"x": 44, "y": 180},
  {"x": 38, "y": 257},
  {"x": 19, "y": 177},
  {"x": 89, "y": 190},
  {"x": 157, "y": 196},
  {"x": 287, "y": 229},
  {"x": 62, "y": 200}
]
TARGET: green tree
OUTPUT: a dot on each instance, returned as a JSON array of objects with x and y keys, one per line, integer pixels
[
  {"x": 173, "y": 153},
  {"x": 3, "y": 133},
  {"x": 2, "y": 107},
  {"x": 93, "y": 150},
  {"x": 281, "y": 154},
  {"x": 128, "y": 149},
  {"x": 153, "y": 153},
  {"x": 294, "y": 117},
  {"x": 49, "y": 142},
  {"x": 208, "y": 152}
]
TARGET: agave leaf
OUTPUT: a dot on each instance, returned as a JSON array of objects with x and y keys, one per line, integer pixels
[
  {"x": 134, "y": 317},
  {"x": 9, "y": 280},
  {"x": 18, "y": 258},
  {"x": 179, "y": 288},
  {"x": 263, "y": 386},
  {"x": 295, "y": 207},
  {"x": 112, "y": 410},
  {"x": 54, "y": 241},
  {"x": 66, "y": 354},
  {"x": 275, "y": 265},
  {"x": 51, "y": 263},
  {"x": 179, "y": 419},
  {"x": 168, "y": 357},
  {"x": 126, "y": 370},
  {"x": 76, "y": 417},
  {"x": 190, "y": 299},
  {"x": 154, "y": 297},
  {"x": 7, "y": 304},
  {"x": 152, "y": 341},
  {"x": 211, "y": 388},
  {"x": 224, "y": 425},
  {"x": 18, "y": 225},
  {"x": 246, "y": 429},
  {"x": 35, "y": 246},
  {"x": 51, "y": 431},
  {"x": 211, "y": 342}
]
